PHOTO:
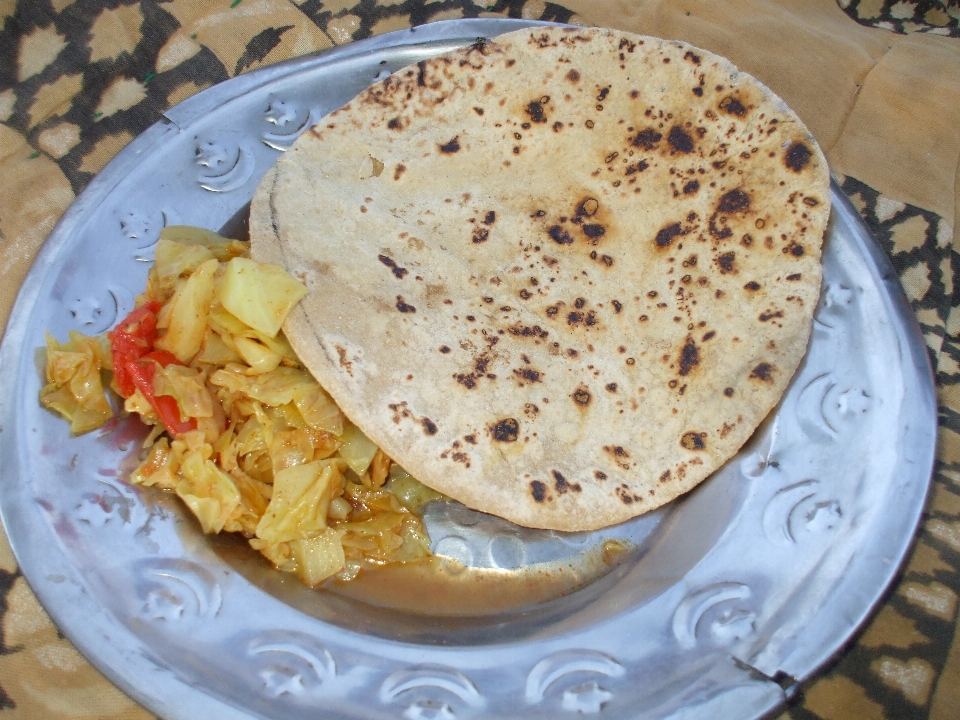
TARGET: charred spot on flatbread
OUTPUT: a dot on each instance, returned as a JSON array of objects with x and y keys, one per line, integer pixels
[
  {"x": 680, "y": 140},
  {"x": 450, "y": 147},
  {"x": 538, "y": 491},
  {"x": 647, "y": 139},
  {"x": 693, "y": 440},
  {"x": 727, "y": 262},
  {"x": 797, "y": 156},
  {"x": 505, "y": 431},
  {"x": 732, "y": 106},
  {"x": 763, "y": 372},
  {"x": 562, "y": 485},
  {"x": 626, "y": 495},
  {"x": 403, "y": 306},
  {"x": 734, "y": 201},
  {"x": 667, "y": 234},
  {"x": 731, "y": 203},
  {"x": 581, "y": 396},
  {"x": 794, "y": 248},
  {"x": 398, "y": 271},
  {"x": 535, "y": 110},
  {"x": 559, "y": 235},
  {"x": 528, "y": 375},
  {"x": 689, "y": 357}
]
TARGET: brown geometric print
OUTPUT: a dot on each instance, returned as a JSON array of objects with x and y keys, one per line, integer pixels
[
  {"x": 918, "y": 243},
  {"x": 6, "y": 585},
  {"x": 939, "y": 17}
]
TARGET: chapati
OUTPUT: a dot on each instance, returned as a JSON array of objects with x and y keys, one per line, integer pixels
[{"x": 559, "y": 276}]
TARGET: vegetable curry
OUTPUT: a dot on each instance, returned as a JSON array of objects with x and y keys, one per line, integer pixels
[{"x": 241, "y": 432}]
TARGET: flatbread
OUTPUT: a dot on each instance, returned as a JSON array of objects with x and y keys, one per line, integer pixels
[{"x": 560, "y": 276}]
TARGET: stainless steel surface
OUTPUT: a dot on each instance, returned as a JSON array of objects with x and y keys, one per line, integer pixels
[{"x": 730, "y": 596}]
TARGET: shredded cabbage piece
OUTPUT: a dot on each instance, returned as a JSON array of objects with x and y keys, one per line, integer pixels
[
  {"x": 74, "y": 384},
  {"x": 267, "y": 452}
]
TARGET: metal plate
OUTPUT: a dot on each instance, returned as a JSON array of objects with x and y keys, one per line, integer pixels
[{"x": 729, "y": 598}]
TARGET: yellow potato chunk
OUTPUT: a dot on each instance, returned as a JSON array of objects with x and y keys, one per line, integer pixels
[
  {"x": 318, "y": 558},
  {"x": 259, "y": 294}
]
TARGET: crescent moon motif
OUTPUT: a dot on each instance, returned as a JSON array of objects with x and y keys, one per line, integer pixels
[
  {"x": 292, "y": 663},
  {"x": 568, "y": 662},
  {"x": 173, "y": 589},
  {"x": 811, "y": 409},
  {"x": 140, "y": 229},
  {"x": 230, "y": 169},
  {"x": 691, "y": 610},
  {"x": 431, "y": 677},
  {"x": 834, "y": 303},
  {"x": 780, "y": 508},
  {"x": 282, "y": 141}
]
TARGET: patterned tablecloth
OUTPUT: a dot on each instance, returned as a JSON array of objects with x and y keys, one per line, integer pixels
[{"x": 877, "y": 81}]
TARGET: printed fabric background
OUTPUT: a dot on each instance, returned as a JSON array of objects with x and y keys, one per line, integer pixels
[
  {"x": 79, "y": 79},
  {"x": 906, "y": 16}
]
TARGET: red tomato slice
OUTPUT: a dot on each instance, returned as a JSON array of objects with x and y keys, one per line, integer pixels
[
  {"x": 141, "y": 374},
  {"x": 162, "y": 357},
  {"x": 131, "y": 345},
  {"x": 130, "y": 340}
]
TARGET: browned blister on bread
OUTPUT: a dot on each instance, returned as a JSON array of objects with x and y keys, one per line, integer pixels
[{"x": 560, "y": 276}]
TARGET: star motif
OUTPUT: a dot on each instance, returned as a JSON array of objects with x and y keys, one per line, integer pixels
[
  {"x": 162, "y": 606},
  {"x": 824, "y": 516},
  {"x": 211, "y": 155},
  {"x": 93, "y": 512},
  {"x": 733, "y": 624},
  {"x": 429, "y": 710},
  {"x": 853, "y": 401},
  {"x": 586, "y": 698},
  {"x": 86, "y": 311},
  {"x": 279, "y": 113},
  {"x": 837, "y": 295},
  {"x": 134, "y": 225},
  {"x": 279, "y": 681}
]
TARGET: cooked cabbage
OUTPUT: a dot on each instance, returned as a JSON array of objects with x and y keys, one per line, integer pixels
[
  {"x": 272, "y": 456},
  {"x": 186, "y": 321},
  {"x": 74, "y": 384},
  {"x": 259, "y": 294},
  {"x": 357, "y": 449}
]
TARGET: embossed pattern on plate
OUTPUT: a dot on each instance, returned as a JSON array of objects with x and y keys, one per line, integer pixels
[{"x": 761, "y": 573}]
